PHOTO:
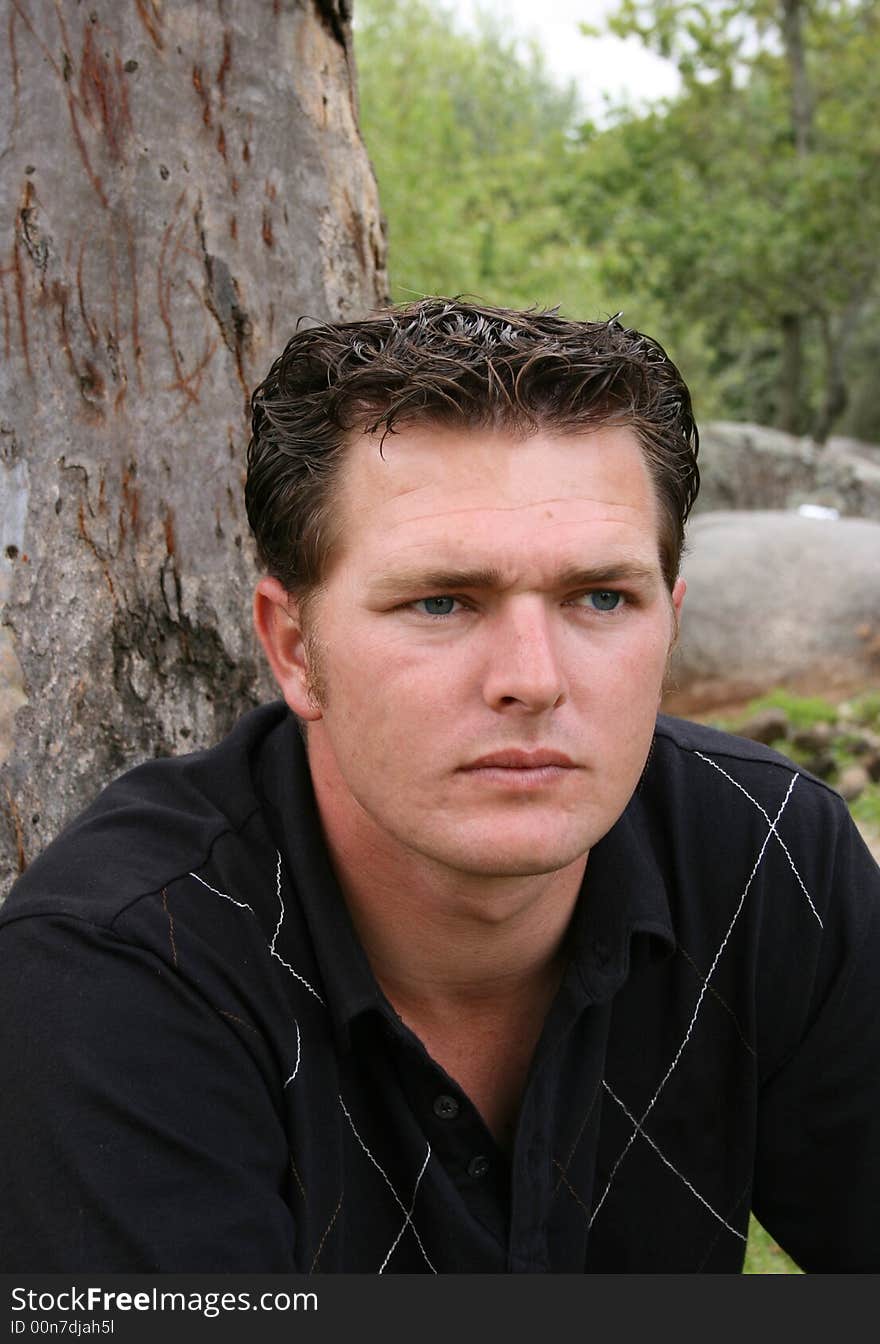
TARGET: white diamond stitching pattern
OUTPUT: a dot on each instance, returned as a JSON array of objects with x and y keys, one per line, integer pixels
[
  {"x": 407, "y": 1215},
  {"x": 408, "y": 1222},
  {"x": 638, "y": 1124},
  {"x": 672, "y": 1168}
]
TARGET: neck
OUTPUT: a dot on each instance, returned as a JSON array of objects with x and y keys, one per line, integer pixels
[{"x": 433, "y": 949}]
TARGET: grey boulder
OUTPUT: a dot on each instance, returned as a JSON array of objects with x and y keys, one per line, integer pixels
[{"x": 776, "y": 599}]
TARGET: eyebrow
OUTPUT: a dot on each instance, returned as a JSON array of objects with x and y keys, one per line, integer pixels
[{"x": 439, "y": 581}]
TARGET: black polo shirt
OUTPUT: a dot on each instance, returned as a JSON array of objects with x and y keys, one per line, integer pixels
[{"x": 200, "y": 1072}]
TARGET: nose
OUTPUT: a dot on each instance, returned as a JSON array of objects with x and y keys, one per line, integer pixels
[{"x": 523, "y": 663}]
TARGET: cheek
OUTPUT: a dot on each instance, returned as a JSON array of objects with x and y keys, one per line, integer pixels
[
  {"x": 632, "y": 662},
  {"x": 411, "y": 673},
  {"x": 377, "y": 692}
]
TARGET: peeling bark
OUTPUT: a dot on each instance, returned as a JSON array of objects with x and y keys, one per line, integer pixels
[{"x": 179, "y": 182}]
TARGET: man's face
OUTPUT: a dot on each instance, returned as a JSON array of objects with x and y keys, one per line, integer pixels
[{"x": 489, "y": 648}]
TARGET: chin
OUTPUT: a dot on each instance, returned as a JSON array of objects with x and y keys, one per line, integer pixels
[{"x": 517, "y": 859}]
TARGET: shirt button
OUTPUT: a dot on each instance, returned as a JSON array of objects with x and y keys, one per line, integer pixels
[
  {"x": 477, "y": 1167},
  {"x": 446, "y": 1107}
]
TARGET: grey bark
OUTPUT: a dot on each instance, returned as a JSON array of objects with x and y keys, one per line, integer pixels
[{"x": 179, "y": 183}]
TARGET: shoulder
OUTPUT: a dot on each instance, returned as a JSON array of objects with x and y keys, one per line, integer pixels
[
  {"x": 691, "y": 738},
  {"x": 161, "y": 904},
  {"x": 723, "y": 808},
  {"x": 148, "y": 828},
  {"x": 728, "y": 814},
  {"x": 707, "y": 761}
]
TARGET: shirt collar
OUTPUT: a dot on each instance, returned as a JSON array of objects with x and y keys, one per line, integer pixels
[{"x": 623, "y": 893}]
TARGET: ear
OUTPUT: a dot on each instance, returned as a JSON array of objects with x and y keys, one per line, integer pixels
[
  {"x": 278, "y": 625},
  {"x": 678, "y": 591}
]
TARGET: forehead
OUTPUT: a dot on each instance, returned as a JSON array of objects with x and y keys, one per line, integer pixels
[{"x": 484, "y": 494}]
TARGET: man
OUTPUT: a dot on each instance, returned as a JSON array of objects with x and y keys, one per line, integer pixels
[{"x": 459, "y": 960}]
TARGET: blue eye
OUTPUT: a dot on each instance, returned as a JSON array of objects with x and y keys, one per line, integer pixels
[
  {"x": 436, "y": 606},
  {"x": 604, "y": 599}
]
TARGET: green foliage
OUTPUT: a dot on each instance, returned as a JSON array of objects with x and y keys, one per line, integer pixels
[
  {"x": 471, "y": 141},
  {"x": 743, "y": 213},
  {"x": 739, "y": 230}
]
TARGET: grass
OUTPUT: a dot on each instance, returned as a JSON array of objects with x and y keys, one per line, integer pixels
[
  {"x": 866, "y": 709},
  {"x": 763, "y": 1256},
  {"x": 803, "y": 711},
  {"x": 866, "y": 808}
]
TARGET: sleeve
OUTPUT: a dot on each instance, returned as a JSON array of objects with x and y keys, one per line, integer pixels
[
  {"x": 817, "y": 1177},
  {"x": 137, "y": 1134}
]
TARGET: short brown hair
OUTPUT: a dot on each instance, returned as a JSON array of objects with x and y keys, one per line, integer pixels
[{"x": 452, "y": 363}]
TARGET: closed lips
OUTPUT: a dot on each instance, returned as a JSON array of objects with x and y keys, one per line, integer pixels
[{"x": 521, "y": 760}]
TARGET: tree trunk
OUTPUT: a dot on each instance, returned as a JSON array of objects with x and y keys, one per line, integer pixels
[
  {"x": 791, "y": 409},
  {"x": 180, "y": 182},
  {"x": 801, "y": 102},
  {"x": 836, "y": 343},
  {"x": 801, "y": 95}
]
